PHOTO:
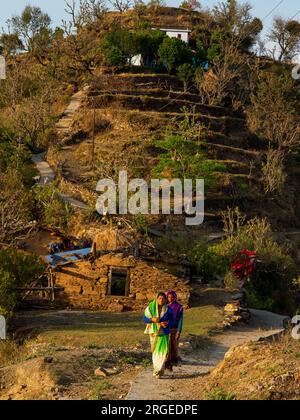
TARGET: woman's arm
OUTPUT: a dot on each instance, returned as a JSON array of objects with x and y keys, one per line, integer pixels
[
  {"x": 147, "y": 320},
  {"x": 180, "y": 324},
  {"x": 171, "y": 318}
]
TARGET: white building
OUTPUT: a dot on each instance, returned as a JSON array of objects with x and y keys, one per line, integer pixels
[{"x": 182, "y": 34}]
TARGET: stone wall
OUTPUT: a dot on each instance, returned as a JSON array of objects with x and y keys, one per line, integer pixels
[{"x": 85, "y": 286}]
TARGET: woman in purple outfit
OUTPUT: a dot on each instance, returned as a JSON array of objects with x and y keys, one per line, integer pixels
[{"x": 173, "y": 356}]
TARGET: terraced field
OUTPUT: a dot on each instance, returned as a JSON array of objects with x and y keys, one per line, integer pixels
[{"x": 131, "y": 111}]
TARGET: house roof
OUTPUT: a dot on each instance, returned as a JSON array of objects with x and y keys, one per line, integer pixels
[{"x": 174, "y": 29}]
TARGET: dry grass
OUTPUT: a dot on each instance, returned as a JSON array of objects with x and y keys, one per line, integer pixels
[{"x": 258, "y": 371}]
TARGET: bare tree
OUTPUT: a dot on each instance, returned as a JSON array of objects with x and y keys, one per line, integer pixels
[
  {"x": 274, "y": 171},
  {"x": 223, "y": 77},
  {"x": 85, "y": 13},
  {"x": 15, "y": 219},
  {"x": 121, "y": 5},
  {"x": 273, "y": 114}
]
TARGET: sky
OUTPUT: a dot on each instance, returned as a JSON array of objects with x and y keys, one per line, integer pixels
[{"x": 55, "y": 8}]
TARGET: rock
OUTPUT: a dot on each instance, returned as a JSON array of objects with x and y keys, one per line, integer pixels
[
  {"x": 48, "y": 359},
  {"x": 116, "y": 307},
  {"x": 100, "y": 372}
]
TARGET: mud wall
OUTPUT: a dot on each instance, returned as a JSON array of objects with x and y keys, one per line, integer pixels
[{"x": 85, "y": 286}]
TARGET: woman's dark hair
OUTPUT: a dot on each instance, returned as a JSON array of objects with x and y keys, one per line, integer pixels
[{"x": 162, "y": 294}]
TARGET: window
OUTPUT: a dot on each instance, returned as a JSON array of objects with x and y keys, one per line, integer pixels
[
  {"x": 119, "y": 281},
  {"x": 179, "y": 36}
]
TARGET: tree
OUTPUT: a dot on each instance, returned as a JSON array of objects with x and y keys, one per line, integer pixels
[
  {"x": 237, "y": 24},
  {"x": 10, "y": 44},
  {"x": 16, "y": 270},
  {"x": 184, "y": 158},
  {"x": 86, "y": 13},
  {"x": 121, "y": 5},
  {"x": 31, "y": 120},
  {"x": 191, "y": 5},
  {"x": 148, "y": 42},
  {"x": 273, "y": 170},
  {"x": 227, "y": 78},
  {"x": 274, "y": 111},
  {"x": 286, "y": 35},
  {"x": 119, "y": 47},
  {"x": 15, "y": 209},
  {"x": 186, "y": 73},
  {"x": 32, "y": 28},
  {"x": 173, "y": 52}
]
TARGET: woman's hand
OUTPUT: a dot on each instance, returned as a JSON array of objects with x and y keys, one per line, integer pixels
[
  {"x": 177, "y": 335},
  {"x": 155, "y": 320},
  {"x": 164, "y": 324}
]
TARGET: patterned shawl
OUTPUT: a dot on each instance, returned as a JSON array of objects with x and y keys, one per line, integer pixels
[{"x": 152, "y": 312}]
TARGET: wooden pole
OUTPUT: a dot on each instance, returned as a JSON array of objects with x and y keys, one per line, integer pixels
[{"x": 93, "y": 135}]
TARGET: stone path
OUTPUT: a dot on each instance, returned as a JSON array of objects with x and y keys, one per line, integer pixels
[
  {"x": 47, "y": 174},
  {"x": 63, "y": 127},
  {"x": 197, "y": 363}
]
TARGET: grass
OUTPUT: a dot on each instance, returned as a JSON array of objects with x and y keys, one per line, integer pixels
[
  {"x": 10, "y": 353},
  {"x": 124, "y": 330},
  {"x": 220, "y": 395},
  {"x": 99, "y": 388}
]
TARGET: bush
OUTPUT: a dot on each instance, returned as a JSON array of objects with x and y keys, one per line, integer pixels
[
  {"x": 173, "y": 52},
  {"x": 207, "y": 261},
  {"x": 16, "y": 270},
  {"x": 53, "y": 211},
  {"x": 270, "y": 285}
]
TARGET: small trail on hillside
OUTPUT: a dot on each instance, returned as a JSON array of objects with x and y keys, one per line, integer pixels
[
  {"x": 63, "y": 127},
  {"x": 176, "y": 385}
]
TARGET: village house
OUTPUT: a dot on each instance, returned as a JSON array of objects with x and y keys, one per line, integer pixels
[
  {"x": 116, "y": 280},
  {"x": 179, "y": 33}
]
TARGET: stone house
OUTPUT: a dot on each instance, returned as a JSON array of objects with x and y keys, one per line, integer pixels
[{"x": 114, "y": 282}]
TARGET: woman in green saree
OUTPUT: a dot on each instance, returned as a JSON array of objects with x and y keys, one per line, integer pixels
[{"x": 159, "y": 319}]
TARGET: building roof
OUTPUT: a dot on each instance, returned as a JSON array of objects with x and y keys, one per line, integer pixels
[{"x": 174, "y": 29}]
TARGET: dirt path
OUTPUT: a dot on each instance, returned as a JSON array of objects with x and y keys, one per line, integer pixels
[
  {"x": 46, "y": 173},
  {"x": 199, "y": 363}
]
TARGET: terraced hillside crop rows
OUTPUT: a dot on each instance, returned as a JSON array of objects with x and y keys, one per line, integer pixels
[{"x": 132, "y": 111}]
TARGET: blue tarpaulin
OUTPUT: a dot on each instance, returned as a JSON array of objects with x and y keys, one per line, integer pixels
[{"x": 67, "y": 257}]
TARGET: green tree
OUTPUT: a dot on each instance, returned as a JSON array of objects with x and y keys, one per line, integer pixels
[
  {"x": 148, "y": 42},
  {"x": 186, "y": 73},
  {"x": 173, "y": 52},
  {"x": 183, "y": 158},
  {"x": 119, "y": 47}
]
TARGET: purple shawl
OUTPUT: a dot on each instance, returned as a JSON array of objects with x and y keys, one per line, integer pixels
[{"x": 177, "y": 308}]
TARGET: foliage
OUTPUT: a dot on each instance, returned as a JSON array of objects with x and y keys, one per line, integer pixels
[
  {"x": 286, "y": 36},
  {"x": 186, "y": 74},
  {"x": 173, "y": 52},
  {"x": 16, "y": 270},
  {"x": 141, "y": 224},
  {"x": 183, "y": 158},
  {"x": 273, "y": 170},
  {"x": 52, "y": 210},
  {"x": 269, "y": 286},
  {"x": 219, "y": 395},
  {"x": 274, "y": 111}
]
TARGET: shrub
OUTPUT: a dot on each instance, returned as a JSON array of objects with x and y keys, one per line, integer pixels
[
  {"x": 173, "y": 52},
  {"x": 16, "y": 270},
  {"x": 219, "y": 395},
  {"x": 53, "y": 211},
  {"x": 269, "y": 287}
]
